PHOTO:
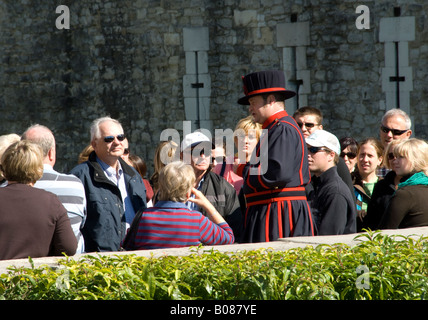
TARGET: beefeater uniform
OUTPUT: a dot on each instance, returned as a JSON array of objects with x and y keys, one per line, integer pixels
[{"x": 276, "y": 204}]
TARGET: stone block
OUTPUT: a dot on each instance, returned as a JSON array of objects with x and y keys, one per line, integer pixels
[
  {"x": 191, "y": 62},
  {"x": 191, "y": 108},
  {"x": 301, "y": 58},
  {"x": 245, "y": 18},
  {"x": 293, "y": 34},
  {"x": 397, "y": 29},
  {"x": 403, "y": 54},
  {"x": 305, "y": 76},
  {"x": 189, "y": 91},
  {"x": 196, "y": 39},
  {"x": 171, "y": 39},
  {"x": 388, "y": 85}
]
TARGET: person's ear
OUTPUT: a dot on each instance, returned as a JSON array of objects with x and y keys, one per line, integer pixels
[{"x": 188, "y": 194}]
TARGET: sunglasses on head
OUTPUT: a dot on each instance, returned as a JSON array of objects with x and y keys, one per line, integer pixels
[
  {"x": 119, "y": 137},
  {"x": 395, "y": 132},
  {"x": 350, "y": 155},
  {"x": 316, "y": 149},
  {"x": 308, "y": 125}
]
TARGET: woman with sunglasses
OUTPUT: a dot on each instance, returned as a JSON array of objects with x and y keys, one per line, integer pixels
[
  {"x": 349, "y": 147},
  {"x": 407, "y": 207},
  {"x": 369, "y": 158},
  {"x": 383, "y": 190}
]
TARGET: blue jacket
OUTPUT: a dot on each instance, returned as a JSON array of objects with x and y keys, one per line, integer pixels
[{"x": 105, "y": 225}]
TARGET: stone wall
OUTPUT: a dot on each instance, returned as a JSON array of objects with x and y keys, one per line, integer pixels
[{"x": 126, "y": 59}]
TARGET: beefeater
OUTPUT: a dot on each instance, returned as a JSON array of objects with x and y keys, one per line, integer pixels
[{"x": 276, "y": 204}]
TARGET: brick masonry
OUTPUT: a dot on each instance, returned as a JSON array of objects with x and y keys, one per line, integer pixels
[{"x": 126, "y": 59}]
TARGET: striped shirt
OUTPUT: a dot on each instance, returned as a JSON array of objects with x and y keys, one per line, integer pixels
[
  {"x": 172, "y": 224},
  {"x": 71, "y": 194}
]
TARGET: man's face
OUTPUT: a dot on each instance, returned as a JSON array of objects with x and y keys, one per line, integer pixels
[
  {"x": 394, "y": 123},
  {"x": 308, "y": 123},
  {"x": 109, "y": 151},
  {"x": 257, "y": 109},
  {"x": 319, "y": 159},
  {"x": 200, "y": 157}
]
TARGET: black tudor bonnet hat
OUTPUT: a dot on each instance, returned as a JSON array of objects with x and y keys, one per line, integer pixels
[{"x": 272, "y": 81}]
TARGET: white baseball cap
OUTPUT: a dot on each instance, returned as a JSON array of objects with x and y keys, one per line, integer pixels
[
  {"x": 323, "y": 138},
  {"x": 193, "y": 139}
]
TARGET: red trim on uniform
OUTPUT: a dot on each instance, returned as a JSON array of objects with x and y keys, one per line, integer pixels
[
  {"x": 259, "y": 176},
  {"x": 303, "y": 152},
  {"x": 290, "y": 218},
  {"x": 259, "y": 193},
  {"x": 269, "y": 120},
  {"x": 248, "y": 181},
  {"x": 310, "y": 219},
  {"x": 279, "y": 213},
  {"x": 240, "y": 169},
  {"x": 265, "y": 91},
  {"x": 267, "y": 224},
  {"x": 275, "y": 200}
]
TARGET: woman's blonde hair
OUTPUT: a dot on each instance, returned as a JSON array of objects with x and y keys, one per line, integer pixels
[
  {"x": 5, "y": 141},
  {"x": 416, "y": 151},
  {"x": 22, "y": 162},
  {"x": 175, "y": 181},
  {"x": 248, "y": 124},
  {"x": 164, "y": 154}
]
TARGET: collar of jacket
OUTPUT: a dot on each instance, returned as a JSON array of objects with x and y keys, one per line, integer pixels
[
  {"x": 275, "y": 116},
  {"x": 99, "y": 172},
  {"x": 325, "y": 177},
  {"x": 419, "y": 178}
]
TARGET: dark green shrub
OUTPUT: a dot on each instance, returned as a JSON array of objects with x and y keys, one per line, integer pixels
[{"x": 381, "y": 267}]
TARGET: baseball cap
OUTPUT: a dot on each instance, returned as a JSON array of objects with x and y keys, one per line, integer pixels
[
  {"x": 193, "y": 139},
  {"x": 323, "y": 138}
]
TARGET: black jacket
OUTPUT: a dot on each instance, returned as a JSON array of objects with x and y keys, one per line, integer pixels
[
  {"x": 223, "y": 197},
  {"x": 332, "y": 205},
  {"x": 105, "y": 225},
  {"x": 382, "y": 193}
]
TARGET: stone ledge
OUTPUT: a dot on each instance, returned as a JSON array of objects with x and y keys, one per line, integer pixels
[{"x": 280, "y": 245}]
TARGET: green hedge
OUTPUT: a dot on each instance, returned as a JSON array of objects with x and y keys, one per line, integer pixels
[{"x": 381, "y": 267}]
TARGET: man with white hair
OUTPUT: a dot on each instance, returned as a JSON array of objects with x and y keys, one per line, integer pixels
[
  {"x": 332, "y": 204},
  {"x": 114, "y": 190},
  {"x": 395, "y": 124}
]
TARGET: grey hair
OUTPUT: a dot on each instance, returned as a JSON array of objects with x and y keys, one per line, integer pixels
[
  {"x": 45, "y": 139},
  {"x": 398, "y": 112},
  {"x": 95, "y": 126}
]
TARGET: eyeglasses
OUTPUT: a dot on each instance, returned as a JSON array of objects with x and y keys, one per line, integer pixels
[
  {"x": 350, "y": 155},
  {"x": 391, "y": 156},
  {"x": 316, "y": 149},
  {"x": 308, "y": 125},
  {"x": 119, "y": 137},
  {"x": 395, "y": 132}
]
